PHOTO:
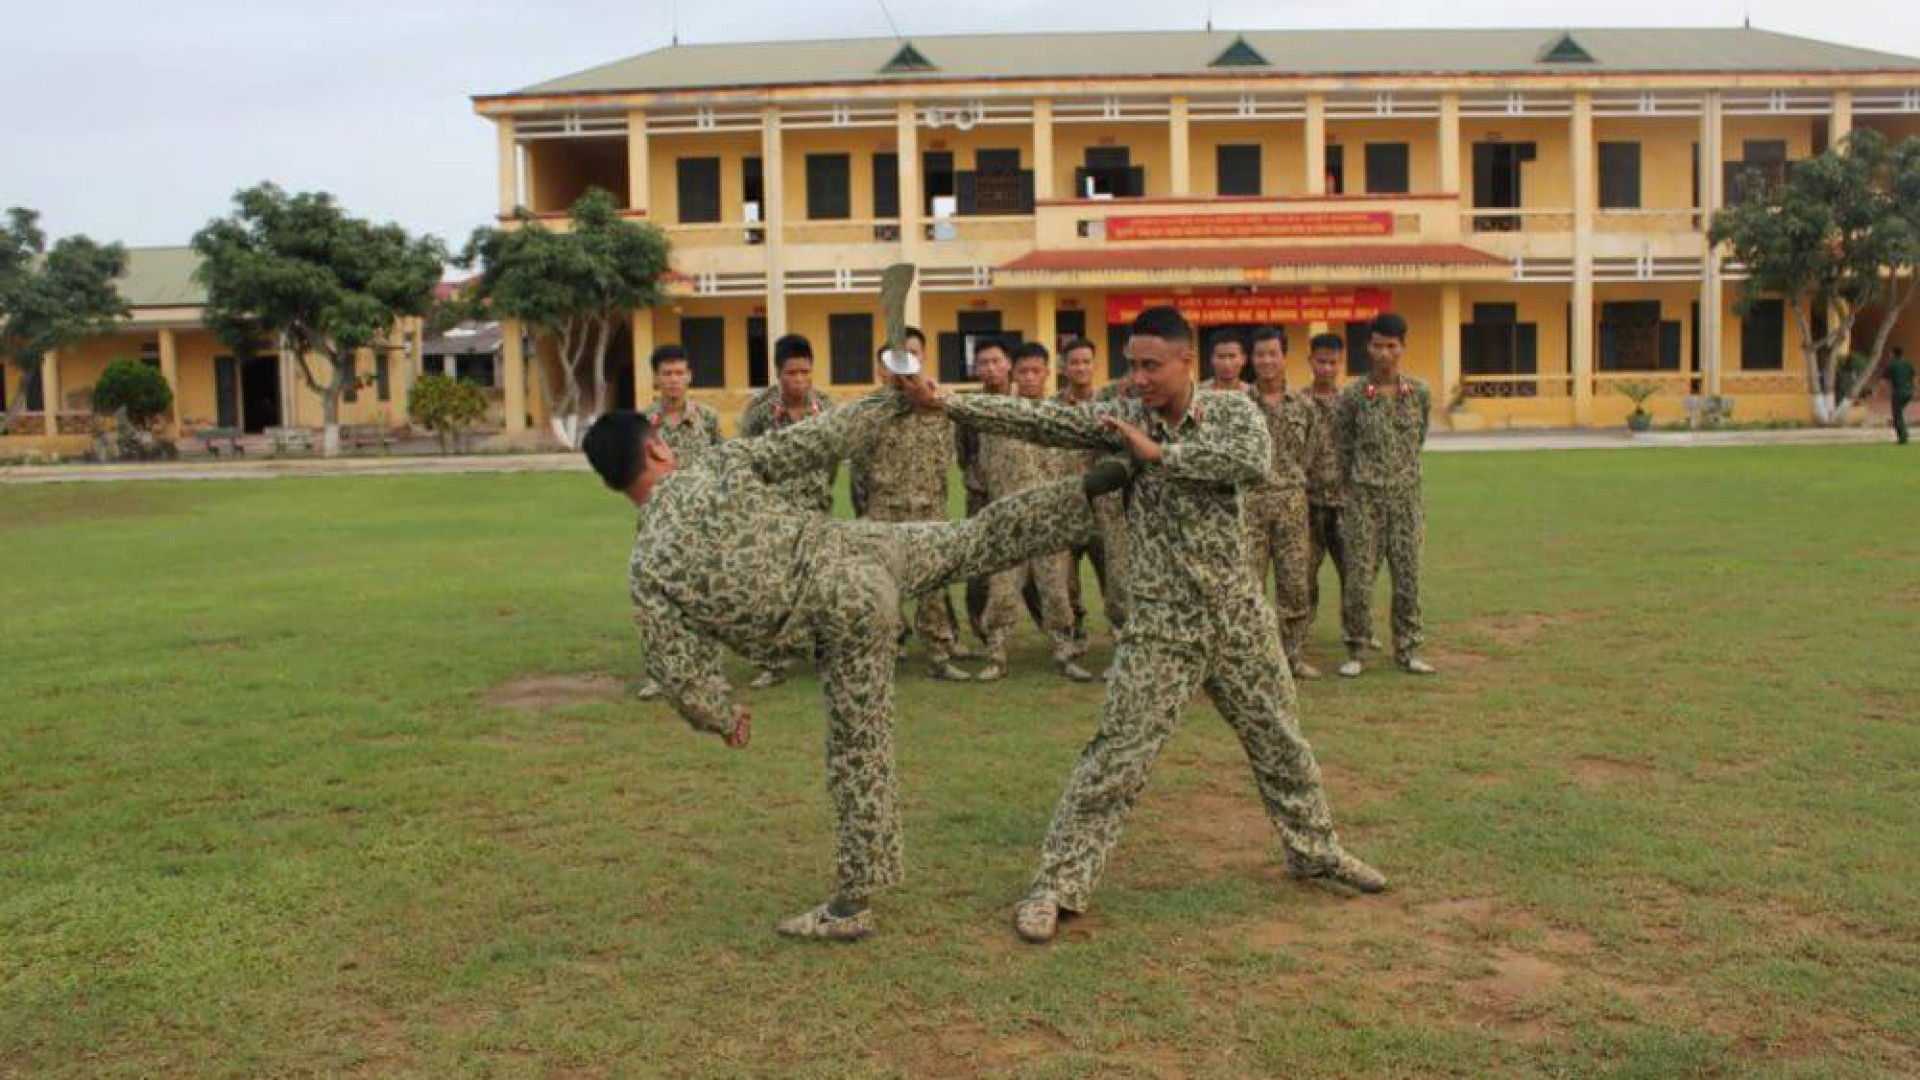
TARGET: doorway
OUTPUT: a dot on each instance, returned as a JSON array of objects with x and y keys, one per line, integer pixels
[
  {"x": 1497, "y": 175},
  {"x": 259, "y": 393}
]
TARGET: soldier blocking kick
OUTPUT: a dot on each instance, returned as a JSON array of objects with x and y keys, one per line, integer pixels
[
  {"x": 1383, "y": 422},
  {"x": 1194, "y": 620}
]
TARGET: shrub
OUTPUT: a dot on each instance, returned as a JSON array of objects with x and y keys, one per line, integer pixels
[
  {"x": 446, "y": 406},
  {"x": 135, "y": 387}
]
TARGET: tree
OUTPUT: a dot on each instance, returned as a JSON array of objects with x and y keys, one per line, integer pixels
[
  {"x": 135, "y": 387},
  {"x": 446, "y": 406},
  {"x": 51, "y": 298},
  {"x": 1840, "y": 234},
  {"x": 297, "y": 271},
  {"x": 575, "y": 288}
]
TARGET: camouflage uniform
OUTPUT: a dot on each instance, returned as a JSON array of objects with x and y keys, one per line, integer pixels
[
  {"x": 724, "y": 556},
  {"x": 1277, "y": 516},
  {"x": 697, "y": 430},
  {"x": 767, "y": 412},
  {"x": 903, "y": 477},
  {"x": 1009, "y": 467},
  {"x": 1326, "y": 508},
  {"x": 1195, "y": 622},
  {"x": 1094, "y": 551},
  {"x": 1381, "y": 432},
  {"x": 967, "y": 453}
]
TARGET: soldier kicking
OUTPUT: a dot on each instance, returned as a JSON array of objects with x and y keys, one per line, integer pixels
[{"x": 1194, "y": 619}]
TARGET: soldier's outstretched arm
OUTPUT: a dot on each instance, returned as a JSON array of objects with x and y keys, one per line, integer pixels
[
  {"x": 1231, "y": 447},
  {"x": 821, "y": 441},
  {"x": 685, "y": 664},
  {"x": 1047, "y": 423}
]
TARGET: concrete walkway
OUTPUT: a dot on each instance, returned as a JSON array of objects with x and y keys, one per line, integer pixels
[{"x": 1441, "y": 442}]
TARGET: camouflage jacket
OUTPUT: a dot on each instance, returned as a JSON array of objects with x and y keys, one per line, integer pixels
[
  {"x": 966, "y": 446},
  {"x": 765, "y": 413},
  {"x": 1291, "y": 426},
  {"x": 906, "y": 468},
  {"x": 722, "y": 553},
  {"x": 697, "y": 430},
  {"x": 1009, "y": 466},
  {"x": 1076, "y": 464},
  {"x": 1185, "y": 529},
  {"x": 1326, "y": 486},
  {"x": 1381, "y": 432}
]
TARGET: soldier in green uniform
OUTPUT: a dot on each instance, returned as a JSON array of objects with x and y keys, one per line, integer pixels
[
  {"x": 1277, "y": 505},
  {"x": 902, "y": 476},
  {"x": 689, "y": 427},
  {"x": 789, "y": 401},
  {"x": 993, "y": 366},
  {"x": 1326, "y": 484},
  {"x": 724, "y": 556},
  {"x": 1075, "y": 387},
  {"x": 1382, "y": 421},
  {"x": 1194, "y": 622},
  {"x": 1010, "y": 466},
  {"x": 1228, "y": 360},
  {"x": 1899, "y": 376}
]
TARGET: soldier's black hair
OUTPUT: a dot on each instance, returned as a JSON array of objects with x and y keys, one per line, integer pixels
[
  {"x": 1388, "y": 324},
  {"x": 613, "y": 446},
  {"x": 1228, "y": 336},
  {"x": 1334, "y": 342},
  {"x": 667, "y": 354},
  {"x": 914, "y": 333},
  {"x": 993, "y": 342},
  {"x": 1269, "y": 333},
  {"x": 1078, "y": 343},
  {"x": 1029, "y": 350},
  {"x": 791, "y": 347},
  {"x": 1164, "y": 322}
]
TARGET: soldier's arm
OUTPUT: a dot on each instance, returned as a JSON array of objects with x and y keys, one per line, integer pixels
[
  {"x": 821, "y": 442},
  {"x": 685, "y": 664},
  {"x": 1233, "y": 446},
  {"x": 1426, "y": 413},
  {"x": 1048, "y": 423},
  {"x": 1344, "y": 415}
]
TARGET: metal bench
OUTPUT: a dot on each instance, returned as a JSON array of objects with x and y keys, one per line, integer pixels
[
  {"x": 214, "y": 439},
  {"x": 357, "y": 436},
  {"x": 288, "y": 439}
]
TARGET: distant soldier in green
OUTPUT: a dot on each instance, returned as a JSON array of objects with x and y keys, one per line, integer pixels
[
  {"x": 993, "y": 366},
  {"x": 1899, "y": 376},
  {"x": 902, "y": 476},
  {"x": 1010, "y": 466},
  {"x": 724, "y": 556},
  {"x": 1195, "y": 621},
  {"x": 1228, "y": 361},
  {"x": 689, "y": 427},
  {"x": 1075, "y": 387},
  {"x": 1277, "y": 505},
  {"x": 1382, "y": 421},
  {"x": 1326, "y": 483},
  {"x": 789, "y": 401}
]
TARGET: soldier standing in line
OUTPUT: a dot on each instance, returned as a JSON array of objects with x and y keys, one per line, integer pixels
[
  {"x": 903, "y": 477},
  {"x": 1195, "y": 621},
  {"x": 1075, "y": 387},
  {"x": 789, "y": 401},
  {"x": 1277, "y": 505},
  {"x": 724, "y": 556},
  {"x": 1009, "y": 467},
  {"x": 689, "y": 427},
  {"x": 993, "y": 366},
  {"x": 1382, "y": 421},
  {"x": 1228, "y": 360},
  {"x": 1326, "y": 486}
]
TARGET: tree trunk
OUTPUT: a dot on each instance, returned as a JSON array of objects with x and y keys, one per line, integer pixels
[{"x": 602, "y": 338}]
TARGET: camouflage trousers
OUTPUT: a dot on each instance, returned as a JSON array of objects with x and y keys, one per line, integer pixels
[
  {"x": 866, "y": 569},
  {"x": 1326, "y": 535},
  {"x": 977, "y": 587},
  {"x": 932, "y": 612},
  {"x": 1235, "y": 657},
  {"x": 1382, "y": 523},
  {"x": 1278, "y": 540},
  {"x": 1046, "y": 577}
]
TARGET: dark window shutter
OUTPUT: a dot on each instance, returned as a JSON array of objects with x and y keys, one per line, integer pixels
[
  {"x": 36, "y": 393},
  {"x": 226, "y": 391},
  {"x": 1238, "y": 169},
  {"x": 886, "y": 186},
  {"x": 1670, "y": 346},
  {"x": 1359, "y": 360},
  {"x": 1762, "y": 337},
  {"x": 753, "y": 185},
  {"x": 699, "y": 186},
  {"x": 1117, "y": 366},
  {"x": 1136, "y": 187},
  {"x": 1526, "y": 349},
  {"x": 1336, "y": 170},
  {"x": 936, "y": 174},
  {"x": 953, "y": 357},
  {"x": 353, "y": 378},
  {"x": 829, "y": 183},
  {"x": 705, "y": 338},
  {"x": 1388, "y": 169},
  {"x": 1620, "y": 175},
  {"x": 758, "y": 353},
  {"x": 850, "y": 348},
  {"x": 966, "y": 191},
  {"x": 1067, "y": 323},
  {"x": 382, "y": 378}
]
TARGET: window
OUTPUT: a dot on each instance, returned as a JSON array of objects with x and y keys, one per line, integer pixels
[
  {"x": 1336, "y": 170},
  {"x": 850, "y": 348},
  {"x": 1498, "y": 345},
  {"x": 382, "y": 378},
  {"x": 1387, "y": 169},
  {"x": 226, "y": 392},
  {"x": 753, "y": 185},
  {"x": 758, "y": 354},
  {"x": 956, "y": 348},
  {"x": 1109, "y": 171},
  {"x": 35, "y": 402},
  {"x": 1068, "y": 323},
  {"x": 886, "y": 186},
  {"x": 1762, "y": 336},
  {"x": 1619, "y": 175},
  {"x": 475, "y": 368},
  {"x": 1238, "y": 170},
  {"x": 1762, "y": 167},
  {"x": 353, "y": 378},
  {"x": 1633, "y": 337},
  {"x": 705, "y": 339},
  {"x": 1359, "y": 360},
  {"x": 829, "y": 187},
  {"x": 997, "y": 185},
  {"x": 699, "y": 190},
  {"x": 936, "y": 171},
  {"x": 1117, "y": 366}
]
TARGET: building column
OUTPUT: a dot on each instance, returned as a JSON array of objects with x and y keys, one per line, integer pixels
[
  {"x": 1840, "y": 125},
  {"x": 508, "y": 165},
  {"x": 913, "y": 195},
  {"x": 1584, "y": 200},
  {"x": 400, "y": 379},
  {"x": 1712, "y": 291},
  {"x": 1449, "y": 144},
  {"x": 170, "y": 371},
  {"x": 50, "y": 391},
  {"x": 1179, "y": 154},
  {"x": 643, "y": 344},
  {"x": 513, "y": 380},
  {"x": 1043, "y": 149},
  {"x": 1449, "y": 344},
  {"x": 639, "y": 165},
  {"x": 774, "y": 178},
  {"x": 1316, "y": 137},
  {"x": 1046, "y": 324}
]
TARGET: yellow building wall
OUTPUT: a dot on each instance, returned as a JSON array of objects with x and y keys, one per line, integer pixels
[
  {"x": 1423, "y": 150},
  {"x": 1666, "y": 157},
  {"x": 1283, "y": 154},
  {"x": 730, "y": 399},
  {"x": 559, "y": 171},
  {"x": 1796, "y": 130},
  {"x": 1150, "y": 143},
  {"x": 1546, "y": 182},
  {"x": 732, "y": 148},
  {"x": 965, "y": 146},
  {"x": 859, "y": 144}
]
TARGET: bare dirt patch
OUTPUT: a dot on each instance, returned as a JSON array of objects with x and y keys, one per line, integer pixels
[
  {"x": 1602, "y": 770},
  {"x": 544, "y": 693},
  {"x": 1524, "y": 629}
]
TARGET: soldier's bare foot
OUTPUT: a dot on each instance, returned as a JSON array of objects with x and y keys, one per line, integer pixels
[
  {"x": 946, "y": 672},
  {"x": 1352, "y": 668},
  {"x": 1075, "y": 672},
  {"x": 1304, "y": 670},
  {"x": 1036, "y": 919},
  {"x": 821, "y": 924},
  {"x": 1341, "y": 869},
  {"x": 767, "y": 677},
  {"x": 1413, "y": 665},
  {"x": 990, "y": 673}
]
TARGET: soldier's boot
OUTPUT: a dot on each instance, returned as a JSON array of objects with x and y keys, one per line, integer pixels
[
  {"x": 1304, "y": 670},
  {"x": 1353, "y": 667},
  {"x": 964, "y": 651},
  {"x": 1074, "y": 671},
  {"x": 1413, "y": 665},
  {"x": 944, "y": 670},
  {"x": 1373, "y": 645},
  {"x": 648, "y": 691},
  {"x": 1036, "y": 919},
  {"x": 1341, "y": 869},
  {"x": 823, "y": 924},
  {"x": 996, "y": 668},
  {"x": 767, "y": 677}
]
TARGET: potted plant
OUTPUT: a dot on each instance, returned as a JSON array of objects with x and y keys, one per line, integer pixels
[{"x": 1638, "y": 391}]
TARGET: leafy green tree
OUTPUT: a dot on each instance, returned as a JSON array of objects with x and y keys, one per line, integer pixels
[
  {"x": 1840, "y": 234},
  {"x": 51, "y": 298},
  {"x": 135, "y": 387},
  {"x": 446, "y": 406},
  {"x": 575, "y": 288},
  {"x": 299, "y": 272}
]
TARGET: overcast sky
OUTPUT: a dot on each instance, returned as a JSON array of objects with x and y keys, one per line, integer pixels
[{"x": 136, "y": 121}]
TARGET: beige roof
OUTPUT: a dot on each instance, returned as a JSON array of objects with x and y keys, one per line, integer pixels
[
  {"x": 1303, "y": 52},
  {"x": 162, "y": 277}
]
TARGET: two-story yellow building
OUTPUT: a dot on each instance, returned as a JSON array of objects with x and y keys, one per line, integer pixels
[{"x": 1533, "y": 201}]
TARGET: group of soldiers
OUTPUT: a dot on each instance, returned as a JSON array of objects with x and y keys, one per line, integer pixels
[{"x": 1181, "y": 495}]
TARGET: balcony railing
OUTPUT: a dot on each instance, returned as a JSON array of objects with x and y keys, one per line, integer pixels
[
  {"x": 1516, "y": 386},
  {"x": 980, "y": 229},
  {"x": 1516, "y": 220},
  {"x": 1662, "y": 219},
  {"x": 716, "y": 234},
  {"x": 866, "y": 231}
]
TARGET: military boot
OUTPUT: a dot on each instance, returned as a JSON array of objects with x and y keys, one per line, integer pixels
[
  {"x": 1036, "y": 919},
  {"x": 821, "y": 924},
  {"x": 1341, "y": 869}
]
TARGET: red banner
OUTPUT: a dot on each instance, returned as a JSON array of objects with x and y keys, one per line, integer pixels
[
  {"x": 1292, "y": 225},
  {"x": 1266, "y": 308}
]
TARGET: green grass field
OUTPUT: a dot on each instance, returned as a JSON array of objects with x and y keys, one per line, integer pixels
[{"x": 335, "y": 777}]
